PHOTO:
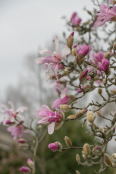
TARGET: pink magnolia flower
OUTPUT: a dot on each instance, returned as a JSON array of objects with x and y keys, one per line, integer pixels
[
  {"x": 84, "y": 74},
  {"x": 21, "y": 140},
  {"x": 47, "y": 116},
  {"x": 106, "y": 14},
  {"x": 53, "y": 146},
  {"x": 104, "y": 64},
  {"x": 84, "y": 50},
  {"x": 25, "y": 169},
  {"x": 63, "y": 100},
  {"x": 53, "y": 60},
  {"x": 11, "y": 113},
  {"x": 98, "y": 57},
  {"x": 16, "y": 131},
  {"x": 96, "y": 147},
  {"x": 75, "y": 19}
]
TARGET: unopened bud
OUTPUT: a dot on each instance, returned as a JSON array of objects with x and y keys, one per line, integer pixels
[
  {"x": 114, "y": 1},
  {"x": 108, "y": 72},
  {"x": 99, "y": 91},
  {"x": 22, "y": 141},
  {"x": 101, "y": 129},
  {"x": 81, "y": 113},
  {"x": 113, "y": 91},
  {"x": 114, "y": 46},
  {"x": 59, "y": 145},
  {"x": 30, "y": 163},
  {"x": 68, "y": 141},
  {"x": 90, "y": 117},
  {"x": 99, "y": 113},
  {"x": 71, "y": 117},
  {"x": 114, "y": 155},
  {"x": 86, "y": 149},
  {"x": 77, "y": 172},
  {"x": 83, "y": 75},
  {"x": 107, "y": 55},
  {"x": 67, "y": 71},
  {"x": 77, "y": 158},
  {"x": 107, "y": 160},
  {"x": 79, "y": 59},
  {"x": 70, "y": 40},
  {"x": 74, "y": 52},
  {"x": 64, "y": 107},
  {"x": 104, "y": 81}
]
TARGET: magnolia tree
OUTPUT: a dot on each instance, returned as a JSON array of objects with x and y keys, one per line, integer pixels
[{"x": 83, "y": 66}]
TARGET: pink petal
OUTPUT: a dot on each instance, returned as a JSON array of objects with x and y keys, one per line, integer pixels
[
  {"x": 63, "y": 94},
  {"x": 51, "y": 128},
  {"x": 45, "y": 51}
]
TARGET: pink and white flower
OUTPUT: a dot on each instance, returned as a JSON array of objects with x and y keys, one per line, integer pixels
[
  {"x": 75, "y": 19},
  {"x": 12, "y": 114},
  {"x": 16, "y": 131},
  {"x": 104, "y": 64},
  {"x": 47, "y": 116},
  {"x": 63, "y": 100},
  {"x": 53, "y": 60},
  {"x": 106, "y": 14}
]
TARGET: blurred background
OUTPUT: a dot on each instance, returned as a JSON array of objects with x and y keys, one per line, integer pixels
[{"x": 25, "y": 27}]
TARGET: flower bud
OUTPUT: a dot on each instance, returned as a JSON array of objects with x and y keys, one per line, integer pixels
[
  {"x": 21, "y": 140},
  {"x": 74, "y": 52},
  {"x": 30, "y": 163},
  {"x": 81, "y": 113},
  {"x": 107, "y": 55},
  {"x": 104, "y": 81},
  {"x": 114, "y": 46},
  {"x": 68, "y": 141},
  {"x": 83, "y": 75},
  {"x": 67, "y": 71},
  {"x": 108, "y": 71},
  {"x": 114, "y": 1},
  {"x": 77, "y": 172},
  {"x": 107, "y": 160},
  {"x": 25, "y": 169},
  {"x": 99, "y": 91},
  {"x": 99, "y": 113},
  {"x": 90, "y": 117},
  {"x": 101, "y": 129},
  {"x": 113, "y": 91},
  {"x": 59, "y": 145},
  {"x": 70, "y": 40},
  {"x": 71, "y": 117},
  {"x": 53, "y": 146},
  {"x": 77, "y": 158},
  {"x": 79, "y": 59},
  {"x": 64, "y": 107},
  {"x": 86, "y": 149},
  {"x": 114, "y": 155}
]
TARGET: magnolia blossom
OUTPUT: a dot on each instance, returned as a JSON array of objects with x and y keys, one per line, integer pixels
[
  {"x": 84, "y": 74},
  {"x": 98, "y": 57},
  {"x": 47, "y": 116},
  {"x": 104, "y": 64},
  {"x": 84, "y": 50},
  {"x": 75, "y": 19},
  {"x": 25, "y": 169},
  {"x": 63, "y": 100},
  {"x": 16, "y": 131},
  {"x": 53, "y": 60},
  {"x": 11, "y": 113},
  {"x": 106, "y": 14},
  {"x": 53, "y": 146}
]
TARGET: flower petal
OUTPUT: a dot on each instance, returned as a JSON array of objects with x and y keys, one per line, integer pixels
[
  {"x": 63, "y": 94},
  {"x": 65, "y": 51},
  {"x": 51, "y": 128}
]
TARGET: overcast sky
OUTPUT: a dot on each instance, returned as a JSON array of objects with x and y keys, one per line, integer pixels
[{"x": 26, "y": 25}]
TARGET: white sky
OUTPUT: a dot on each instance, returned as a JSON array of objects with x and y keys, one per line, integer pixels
[{"x": 26, "y": 25}]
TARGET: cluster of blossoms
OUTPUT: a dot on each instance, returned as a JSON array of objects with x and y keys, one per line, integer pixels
[{"x": 81, "y": 69}]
